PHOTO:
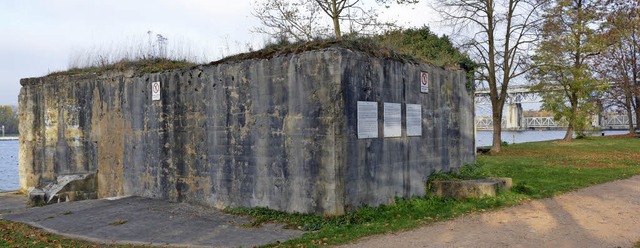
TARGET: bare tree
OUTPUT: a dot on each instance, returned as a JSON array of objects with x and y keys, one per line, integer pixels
[
  {"x": 354, "y": 13},
  {"x": 618, "y": 67},
  {"x": 501, "y": 35},
  {"x": 619, "y": 63},
  {"x": 297, "y": 19},
  {"x": 304, "y": 20}
]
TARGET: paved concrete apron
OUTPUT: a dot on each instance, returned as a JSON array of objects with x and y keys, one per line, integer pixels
[
  {"x": 606, "y": 215},
  {"x": 12, "y": 201},
  {"x": 146, "y": 221}
]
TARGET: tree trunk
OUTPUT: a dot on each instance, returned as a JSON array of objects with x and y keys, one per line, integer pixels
[
  {"x": 632, "y": 128},
  {"x": 497, "y": 132},
  {"x": 636, "y": 108},
  {"x": 635, "y": 102},
  {"x": 335, "y": 16},
  {"x": 336, "y": 27},
  {"x": 572, "y": 119},
  {"x": 629, "y": 108},
  {"x": 638, "y": 118},
  {"x": 496, "y": 102},
  {"x": 569, "y": 135},
  {"x": 497, "y": 135}
]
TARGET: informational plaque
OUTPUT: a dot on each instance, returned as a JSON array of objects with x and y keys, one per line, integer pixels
[
  {"x": 392, "y": 120},
  {"x": 424, "y": 82},
  {"x": 367, "y": 120},
  {"x": 414, "y": 120}
]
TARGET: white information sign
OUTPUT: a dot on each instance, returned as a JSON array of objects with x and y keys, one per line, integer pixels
[
  {"x": 392, "y": 120},
  {"x": 155, "y": 91},
  {"x": 424, "y": 82},
  {"x": 414, "y": 120},
  {"x": 367, "y": 120}
]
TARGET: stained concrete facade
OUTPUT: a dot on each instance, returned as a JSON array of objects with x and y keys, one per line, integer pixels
[{"x": 280, "y": 133}]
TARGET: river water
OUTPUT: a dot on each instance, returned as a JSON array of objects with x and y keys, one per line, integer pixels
[
  {"x": 484, "y": 138},
  {"x": 9, "y": 165},
  {"x": 9, "y": 150}
]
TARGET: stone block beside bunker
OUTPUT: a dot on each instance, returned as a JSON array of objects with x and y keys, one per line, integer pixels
[{"x": 461, "y": 189}]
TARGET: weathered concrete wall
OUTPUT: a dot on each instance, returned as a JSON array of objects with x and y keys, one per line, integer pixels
[{"x": 279, "y": 133}]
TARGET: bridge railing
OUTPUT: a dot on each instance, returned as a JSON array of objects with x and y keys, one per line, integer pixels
[
  {"x": 616, "y": 121},
  {"x": 486, "y": 123},
  {"x": 608, "y": 121},
  {"x": 543, "y": 122}
]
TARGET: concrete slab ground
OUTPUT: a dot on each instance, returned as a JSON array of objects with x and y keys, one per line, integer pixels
[
  {"x": 12, "y": 201},
  {"x": 136, "y": 220}
]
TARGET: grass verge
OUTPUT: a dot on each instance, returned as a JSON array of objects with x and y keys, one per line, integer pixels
[
  {"x": 538, "y": 170},
  {"x": 14, "y": 234}
]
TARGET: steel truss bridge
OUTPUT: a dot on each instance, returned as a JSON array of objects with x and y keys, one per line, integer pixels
[
  {"x": 606, "y": 122},
  {"x": 515, "y": 94},
  {"x": 513, "y": 120}
]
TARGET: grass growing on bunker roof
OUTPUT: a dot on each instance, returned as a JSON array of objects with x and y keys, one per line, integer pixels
[
  {"x": 147, "y": 54},
  {"x": 416, "y": 45},
  {"x": 141, "y": 66},
  {"x": 413, "y": 45},
  {"x": 539, "y": 170},
  {"x": 284, "y": 47}
]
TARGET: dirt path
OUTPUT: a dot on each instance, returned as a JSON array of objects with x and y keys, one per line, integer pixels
[{"x": 606, "y": 215}]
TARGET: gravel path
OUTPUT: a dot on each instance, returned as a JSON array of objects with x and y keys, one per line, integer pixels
[{"x": 606, "y": 215}]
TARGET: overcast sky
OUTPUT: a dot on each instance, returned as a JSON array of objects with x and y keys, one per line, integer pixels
[{"x": 41, "y": 36}]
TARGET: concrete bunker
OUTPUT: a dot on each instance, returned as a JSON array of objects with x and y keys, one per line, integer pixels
[{"x": 321, "y": 131}]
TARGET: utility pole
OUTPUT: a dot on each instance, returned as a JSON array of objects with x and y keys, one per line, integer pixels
[{"x": 2, "y": 130}]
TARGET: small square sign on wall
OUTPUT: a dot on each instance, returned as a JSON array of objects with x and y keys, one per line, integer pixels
[
  {"x": 155, "y": 91},
  {"x": 424, "y": 82}
]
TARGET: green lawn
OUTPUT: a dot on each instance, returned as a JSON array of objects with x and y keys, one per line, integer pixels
[{"x": 538, "y": 170}]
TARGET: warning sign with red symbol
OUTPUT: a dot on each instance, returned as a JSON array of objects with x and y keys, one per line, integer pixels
[
  {"x": 424, "y": 82},
  {"x": 155, "y": 91}
]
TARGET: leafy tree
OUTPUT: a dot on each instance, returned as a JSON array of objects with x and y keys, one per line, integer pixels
[
  {"x": 562, "y": 68},
  {"x": 423, "y": 44},
  {"x": 499, "y": 35},
  {"x": 9, "y": 119}
]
